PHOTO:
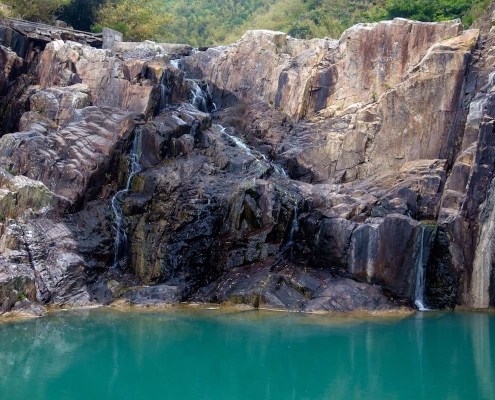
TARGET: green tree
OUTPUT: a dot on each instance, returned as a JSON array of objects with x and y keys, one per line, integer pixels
[
  {"x": 429, "y": 10},
  {"x": 136, "y": 19},
  {"x": 81, "y": 14},
  {"x": 36, "y": 10}
]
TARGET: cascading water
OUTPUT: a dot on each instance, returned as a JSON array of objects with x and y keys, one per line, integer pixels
[
  {"x": 164, "y": 92},
  {"x": 279, "y": 170},
  {"x": 210, "y": 94},
  {"x": 293, "y": 231},
  {"x": 175, "y": 63},
  {"x": 120, "y": 246},
  {"x": 256, "y": 155},
  {"x": 199, "y": 98},
  {"x": 419, "y": 293},
  {"x": 164, "y": 88}
]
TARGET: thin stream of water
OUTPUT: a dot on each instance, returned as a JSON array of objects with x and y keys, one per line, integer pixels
[
  {"x": 164, "y": 91},
  {"x": 201, "y": 98},
  {"x": 120, "y": 247},
  {"x": 419, "y": 293},
  {"x": 293, "y": 231},
  {"x": 256, "y": 155}
]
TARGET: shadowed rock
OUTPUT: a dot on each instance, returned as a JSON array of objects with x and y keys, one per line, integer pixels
[{"x": 326, "y": 174}]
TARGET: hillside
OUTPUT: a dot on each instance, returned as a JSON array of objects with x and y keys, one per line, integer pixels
[
  {"x": 212, "y": 22},
  {"x": 216, "y": 22}
]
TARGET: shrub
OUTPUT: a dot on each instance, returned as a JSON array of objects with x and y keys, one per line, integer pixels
[
  {"x": 136, "y": 19},
  {"x": 36, "y": 10}
]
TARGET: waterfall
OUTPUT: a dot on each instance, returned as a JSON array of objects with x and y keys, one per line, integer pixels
[
  {"x": 164, "y": 92},
  {"x": 372, "y": 255},
  {"x": 210, "y": 94},
  {"x": 256, "y": 155},
  {"x": 293, "y": 230},
  {"x": 279, "y": 170},
  {"x": 120, "y": 246},
  {"x": 483, "y": 275},
  {"x": 199, "y": 98},
  {"x": 175, "y": 63},
  {"x": 419, "y": 293}
]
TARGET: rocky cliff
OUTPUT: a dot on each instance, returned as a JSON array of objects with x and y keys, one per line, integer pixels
[{"x": 320, "y": 175}]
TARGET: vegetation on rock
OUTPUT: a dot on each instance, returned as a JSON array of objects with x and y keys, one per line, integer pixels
[{"x": 208, "y": 22}]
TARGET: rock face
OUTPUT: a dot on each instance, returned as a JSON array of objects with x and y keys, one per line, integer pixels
[
  {"x": 321, "y": 175},
  {"x": 304, "y": 77}
]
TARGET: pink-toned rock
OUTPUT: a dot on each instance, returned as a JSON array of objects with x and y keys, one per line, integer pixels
[
  {"x": 103, "y": 74},
  {"x": 88, "y": 147},
  {"x": 303, "y": 77}
]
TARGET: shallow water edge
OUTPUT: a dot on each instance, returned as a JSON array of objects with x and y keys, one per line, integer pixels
[{"x": 203, "y": 308}]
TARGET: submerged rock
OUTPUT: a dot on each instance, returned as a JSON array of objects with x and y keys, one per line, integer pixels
[{"x": 154, "y": 296}]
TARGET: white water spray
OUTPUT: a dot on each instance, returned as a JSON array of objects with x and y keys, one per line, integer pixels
[
  {"x": 419, "y": 293},
  {"x": 175, "y": 63},
  {"x": 164, "y": 91},
  {"x": 256, "y": 155},
  {"x": 199, "y": 98},
  {"x": 120, "y": 246}
]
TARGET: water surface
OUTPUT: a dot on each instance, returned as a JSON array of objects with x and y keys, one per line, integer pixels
[{"x": 220, "y": 355}]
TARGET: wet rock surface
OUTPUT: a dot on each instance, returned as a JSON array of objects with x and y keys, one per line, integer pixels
[
  {"x": 283, "y": 285},
  {"x": 302, "y": 175}
]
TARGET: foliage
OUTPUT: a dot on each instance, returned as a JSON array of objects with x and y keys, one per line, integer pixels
[
  {"x": 207, "y": 22},
  {"x": 136, "y": 19},
  {"x": 311, "y": 18},
  {"x": 36, "y": 10},
  {"x": 81, "y": 14},
  {"x": 431, "y": 10},
  {"x": 212, "y": 22},
  {"x": 5, "y": 11}
]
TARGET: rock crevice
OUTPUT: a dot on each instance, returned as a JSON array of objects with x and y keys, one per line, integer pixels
[{"x": 305, "y": 175}]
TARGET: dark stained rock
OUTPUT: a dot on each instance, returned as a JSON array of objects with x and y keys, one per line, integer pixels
[
  {"x": 332, "y": 172},
  {"x": 344, "y": 295},
  {"x": 332, "y": 244},
  {"x": 442, "y": 278},
  {"x": 283, "y": 285},
  {"x": 13, "y": 83}
]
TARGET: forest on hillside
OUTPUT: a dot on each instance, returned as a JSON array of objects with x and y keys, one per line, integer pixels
[{"x": 209, "y": 22}]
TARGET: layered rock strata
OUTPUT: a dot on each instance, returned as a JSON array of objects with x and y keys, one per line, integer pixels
[{"x": 305, "y": 175}]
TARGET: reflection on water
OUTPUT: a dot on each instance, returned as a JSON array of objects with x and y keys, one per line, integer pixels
[
  {"x": 483, "y": 354},
  {"x": 218, "y": 354}
]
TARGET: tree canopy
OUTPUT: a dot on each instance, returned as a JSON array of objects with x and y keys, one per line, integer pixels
[
  {"x": 35, "y": 10},
  {"x": 211, "y": 22},
  {"x": 136, "y": 19}
]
